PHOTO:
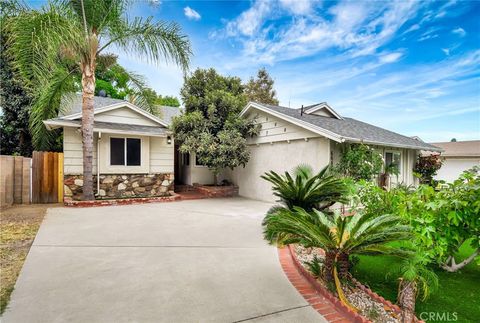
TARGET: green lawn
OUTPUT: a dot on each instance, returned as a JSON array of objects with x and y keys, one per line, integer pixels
[{"x": 458, "y": 292}]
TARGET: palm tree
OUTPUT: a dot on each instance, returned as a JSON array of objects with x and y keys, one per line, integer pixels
[
  {"x": 339, "y": 236},
  {"x": 65, "y": 37},
  {"x": 416, "y": 280},
  {"x": 306, "y": 190}
]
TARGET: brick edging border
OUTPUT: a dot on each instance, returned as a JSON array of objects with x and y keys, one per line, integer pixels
[
  {"x": 124, "y": 201},
  {"x": 341, "y": 307},
  {"x": 338, "y": 306}
]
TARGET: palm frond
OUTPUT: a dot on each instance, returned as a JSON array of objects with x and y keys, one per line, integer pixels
[
  {"x": 38, "y": 39},
  {"x": 47, "y": 105},
  {"x": 155, "y": 41}
]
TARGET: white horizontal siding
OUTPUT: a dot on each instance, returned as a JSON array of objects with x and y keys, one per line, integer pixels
[
  {"x": 161, "y": 155},
  {"x": 73, "y": 152},
  {"x": 274, "y": 130},
  {"x": 124, "y": 115}
]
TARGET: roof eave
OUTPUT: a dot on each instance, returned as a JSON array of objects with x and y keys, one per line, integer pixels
[
  {"x": 323, "y": 132},
  {"x": 55, "y": 124},
  {"x": 120, "y": 105},
  {"x": 379, "y": 143}
]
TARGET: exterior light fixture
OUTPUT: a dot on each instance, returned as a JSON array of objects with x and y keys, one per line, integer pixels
[{"x": 169, "y": 140}]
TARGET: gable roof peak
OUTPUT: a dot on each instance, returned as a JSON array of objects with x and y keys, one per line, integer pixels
[{"x": 322, "y": 109}]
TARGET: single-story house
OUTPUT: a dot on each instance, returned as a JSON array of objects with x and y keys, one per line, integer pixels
[
  {"x": 457, "y": 157},
  {"x": 135, "y": 153},
  {"x": 133, "y": 150},
  {"x": 313, "y": 135}
]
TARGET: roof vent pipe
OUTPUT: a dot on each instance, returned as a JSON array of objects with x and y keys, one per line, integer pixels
[{"x": 301, "y": 111}]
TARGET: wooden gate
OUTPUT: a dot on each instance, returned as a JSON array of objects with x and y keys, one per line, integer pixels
[{"x": 47, "y": 177}]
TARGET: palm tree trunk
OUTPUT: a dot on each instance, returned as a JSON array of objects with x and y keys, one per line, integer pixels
[
  {"x": 407, "y": 293},
  {"x": 328, "y": 265},
  {"x": 343, "y": 265},
  {"x": 88, "y": 93}
]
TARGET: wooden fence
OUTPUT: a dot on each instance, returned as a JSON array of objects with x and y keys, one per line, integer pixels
[
  {"x": 31, "y": 180},
  {"x": 14, "y": 180},
  {"x": 47, "y": 177}
]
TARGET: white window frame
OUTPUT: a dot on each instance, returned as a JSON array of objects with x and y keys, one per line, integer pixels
[
  {"x": 400, "y": 165},
  {"x": 125, "y": 151},
  {"x": 195, "y": 162},
  {"x": 105, "y": 151}
]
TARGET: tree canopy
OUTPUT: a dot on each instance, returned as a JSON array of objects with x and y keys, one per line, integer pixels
[
  {"x": 211, "y": 127},
  {"x": 260, "y": 89}
]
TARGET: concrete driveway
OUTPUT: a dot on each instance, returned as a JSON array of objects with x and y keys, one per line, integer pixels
[{"x": 189, "y": 261}]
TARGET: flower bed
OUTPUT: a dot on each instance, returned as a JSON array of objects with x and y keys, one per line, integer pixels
[{"x": 370, "y": 305}]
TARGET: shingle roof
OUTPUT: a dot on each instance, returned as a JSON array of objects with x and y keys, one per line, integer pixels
[
  {"x": 460, "y": 148},
  {"x": 123, "y": 127},
  {"x": 353, "y": 130},
  {"x": 73, "y": 104}
]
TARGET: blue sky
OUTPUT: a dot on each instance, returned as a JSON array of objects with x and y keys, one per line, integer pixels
[{"x": 412, "y": 67}]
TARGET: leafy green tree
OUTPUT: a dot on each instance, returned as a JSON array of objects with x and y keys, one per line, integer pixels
[
  {"x": 62, "y": 38},
  {"x": 307, "y": 190},
  {"x": 15, "y": 107},
  {"x": 360, "y": 161},
  {"x": 260, "y": 89},
  {"x": 442, "y": 220},
  {"x": 169, "y": 101},
  {"x": 211, "y": 127}
]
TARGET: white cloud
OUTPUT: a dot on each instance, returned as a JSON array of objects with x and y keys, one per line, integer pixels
[
  {"x": 299, "y": 7},
  {"x": 459, "y": 31},
  {"x": 191, "y": 14},
  {"x": 250, "y": 20},
  {"x": 446, "y": 51},
  {"x": 358, "y": 28},
  {"x": 412, "y": 28},
  {"x": 390, "y": 57}
]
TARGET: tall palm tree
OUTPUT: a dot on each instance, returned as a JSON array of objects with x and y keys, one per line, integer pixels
[
  {"x": 339, "y": 236},
  {"x": 65, "y": 37},
  {"x": 308, "y": 190},
  {"x": 416, "y": 280}
]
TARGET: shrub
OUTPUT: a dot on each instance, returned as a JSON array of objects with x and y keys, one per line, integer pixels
[
  {"x": 426, "y": 168},
  {"x": 360, "y": 162}
]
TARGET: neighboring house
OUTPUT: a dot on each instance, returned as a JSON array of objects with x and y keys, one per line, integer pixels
[
  {"x": 133, "y": 149},
  {"x": 316, "y": 136},
  {"x": 457, "y": 157}
]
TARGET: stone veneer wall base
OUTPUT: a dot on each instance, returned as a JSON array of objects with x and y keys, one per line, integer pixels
[{"x": 121, "y": 186}]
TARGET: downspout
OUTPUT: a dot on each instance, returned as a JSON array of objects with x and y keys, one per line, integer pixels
[{"x": 98, "y": 162}]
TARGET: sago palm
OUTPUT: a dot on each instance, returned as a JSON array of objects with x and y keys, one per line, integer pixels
[
  {"x": 66, "y": 37},
  {"x": 416, "y": 280},
  {"x": 339, "y": 236},
  {"x": 306, "y": 189}
]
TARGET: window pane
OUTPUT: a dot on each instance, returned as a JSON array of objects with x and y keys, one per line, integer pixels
[
  {"x": 388, "y": 159},
  {"x": 117, "y": 151},
  {"x": 133, "y": 152},
  {"x": 396, "y": 160}
]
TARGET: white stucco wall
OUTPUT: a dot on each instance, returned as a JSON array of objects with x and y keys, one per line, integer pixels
[
  {"x": 453, "y": 167},
  {"x": 279, "y": 157}
]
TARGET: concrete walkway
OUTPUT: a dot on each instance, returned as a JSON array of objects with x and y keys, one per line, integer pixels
[{"x": 189, "y": 261}]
